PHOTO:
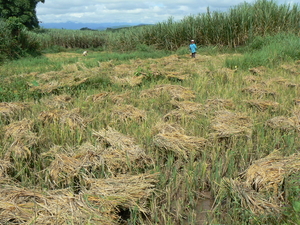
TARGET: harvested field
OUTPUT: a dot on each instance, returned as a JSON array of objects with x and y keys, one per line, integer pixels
[{"x": 139, "y": 141}]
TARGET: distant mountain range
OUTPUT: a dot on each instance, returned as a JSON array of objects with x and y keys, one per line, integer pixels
[{"x": 93, "y": 26}]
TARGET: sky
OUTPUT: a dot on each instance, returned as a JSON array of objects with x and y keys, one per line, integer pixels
[{"x": 133, "y": 11}]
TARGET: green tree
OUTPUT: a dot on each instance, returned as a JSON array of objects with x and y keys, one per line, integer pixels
[{"x": 23, "y": 10}]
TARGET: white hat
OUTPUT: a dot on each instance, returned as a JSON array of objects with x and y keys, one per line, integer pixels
[{"x": 192, "y": 40}]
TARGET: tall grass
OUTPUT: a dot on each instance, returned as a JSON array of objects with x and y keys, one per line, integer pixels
[
  {"x": 69, "y": 38},
  {"x": 267, "y": 51},
  {"x": 239, "y": 25}
]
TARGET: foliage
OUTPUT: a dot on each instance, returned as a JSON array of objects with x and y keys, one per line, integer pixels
[
  {"x": 267, "y": 51},
  {"x": 23, "y": 10},
  {"x": 15, "y": 42}
]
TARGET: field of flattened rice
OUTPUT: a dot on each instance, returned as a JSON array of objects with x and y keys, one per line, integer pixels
[{"x": 149, "y": 141}]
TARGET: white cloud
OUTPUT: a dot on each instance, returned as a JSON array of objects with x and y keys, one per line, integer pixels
[{"x": 137, "y": 11}]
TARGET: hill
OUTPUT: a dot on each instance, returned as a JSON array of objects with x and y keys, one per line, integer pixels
[{"x": 93, "y": 26}]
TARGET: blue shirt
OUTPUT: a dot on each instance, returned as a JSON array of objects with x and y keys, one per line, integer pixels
[{"x": 193, "y": 48}]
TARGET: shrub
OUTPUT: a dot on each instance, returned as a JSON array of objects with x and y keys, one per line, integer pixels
[{"x": 14, "y": 41}]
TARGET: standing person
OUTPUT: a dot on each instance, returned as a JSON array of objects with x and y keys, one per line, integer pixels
[{"x": 193, "y": 48}]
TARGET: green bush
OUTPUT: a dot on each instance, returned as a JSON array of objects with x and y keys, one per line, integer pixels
[{"x": 15, "y": 42}]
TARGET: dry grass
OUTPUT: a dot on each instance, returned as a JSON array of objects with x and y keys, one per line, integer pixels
[
  {"x": 227, "y": 124},
  {"x": 184, "y": 110},
  {"x": 181, "y": 144},
  {"x": 260, "y": 188},
  {"x": 130, "y": 81},
  {"x": 127, "y": 113},
  {"x": 125, "y": 190},
  {"x": 162, "y": 127},
  {"x": 263, "y": 105},
  {"x": 176, "y": 92},
  {"x": 267, "y": 174},
  {"x": 259, "y": 91},
  {"x": 19, "y": 138},
  {"x": 4, "y": 167},
  {"x": 219, "y": 104},
  {"x": 63, "y": 117},
  {"x": 70, "y": 76},
  {"x": 24, "y": 206},
  {"x": 9, "y": 109},
  {"x": 98, "y": 97},
  {"x": 121, "y": 151},
  {"x": 281, "y": 122},
  {"x": 58, "y": 102}
]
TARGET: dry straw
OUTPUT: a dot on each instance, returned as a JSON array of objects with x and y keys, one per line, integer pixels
[
  {"x": 267, "y": 174},
  {"x": 59, "y": 102},
  {"x": 24, "y": 206},
  {"x": 184, "y": 110},
  {"x": 130, "y": 81},
  {"x": 121, "y": 151},
  {"x": 188, "y": 106},
  {"x": 258, "y": 70},
  {"x": 259, "y": 91},
  {"x": 263, "y": 105},
  {"x": 171, "y": 137},
  {"x": 162, "y": 127},
  {"x": 98, "y": 97},
  {"x": 125, "y": 190},
  {"x": 71, "y": 76},
  {"x": 177, "y": 76},
  {"x": 252, "y": 79},
  {"x": 219, "y": 104},
  {"x": 181, "y": 144},
  {"x": 227, "y": 124},
  {"x": 5, "y": 165},
  {"x": 261, "y": 187},
  {"x": 283, "y": 123},
  {"x": 19, "y": 138},
  {"x": 127, "y": 113},
  {"x": 176, "y": 92},
  {"x": 292, "y": 69},
  {"x": 70, "y": 163},
  {"x": 71, "y": 118},
  {"x": 9, "y": 109}
]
